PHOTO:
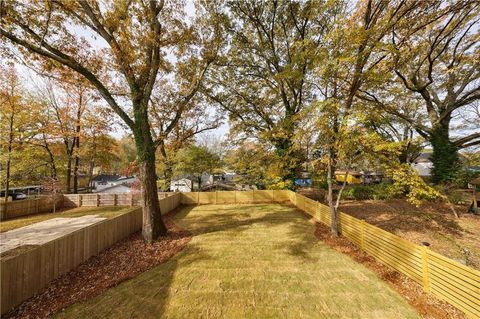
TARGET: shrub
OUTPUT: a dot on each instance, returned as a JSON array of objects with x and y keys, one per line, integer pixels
[{"x": 381, "y": 191}]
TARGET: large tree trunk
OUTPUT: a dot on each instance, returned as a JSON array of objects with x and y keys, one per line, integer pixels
[
  {"x": 168, "y": 172},
  {"x": 445, "y": 154},
  {"x": 290, "y": 160},
  {"x": 153, "y": 226},
  {"x": 9, "y": 158}
]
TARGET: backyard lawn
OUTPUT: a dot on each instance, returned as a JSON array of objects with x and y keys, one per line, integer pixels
[
  {"x": 106, "y": 212},
  {"x": 254, "y": 261}
]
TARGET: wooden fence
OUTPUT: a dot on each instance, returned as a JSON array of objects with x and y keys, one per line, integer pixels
[
  {"x": 29, "y": 206},
  {"x": 235, "y": 197},
  {"x": 105, "y": 199},
  {"x": 26, "y": 273},
  {"x": 445, "y": 278}
]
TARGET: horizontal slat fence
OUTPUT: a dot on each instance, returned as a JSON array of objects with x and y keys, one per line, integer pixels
[
  {"x": 445, "y": 278},
  {"x": 29, "y": 206},
  {"x": 26, "y": 273}
]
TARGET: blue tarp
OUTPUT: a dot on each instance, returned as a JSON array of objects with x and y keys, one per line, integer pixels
[{"x": 303, "y": 182}]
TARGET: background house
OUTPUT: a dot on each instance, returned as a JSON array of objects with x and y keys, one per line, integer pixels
[
  {"x": 101, "y": 182},
  {"x": 181, "y": 184},
  {"x": 423, "y": 164},
  {"x": 116, "y": 189}
]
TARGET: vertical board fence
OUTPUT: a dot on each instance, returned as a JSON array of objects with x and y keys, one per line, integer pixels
[
  {"x": 445, "y": 278},
  {"x": 30, "y": 206},
  {"x": 235, "y": 197},
  {"x": 105, "y": 199},
  {"x": 25, "y": 274}
]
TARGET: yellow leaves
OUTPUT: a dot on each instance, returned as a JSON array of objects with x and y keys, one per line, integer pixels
[{"x": 416, "y": 188}]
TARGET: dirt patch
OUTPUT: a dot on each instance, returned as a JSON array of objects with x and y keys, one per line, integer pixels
[
  {"x": 116, "y": 264},
  {"x": 432, "y": 222},
  {"x": 426, "y": 305}
]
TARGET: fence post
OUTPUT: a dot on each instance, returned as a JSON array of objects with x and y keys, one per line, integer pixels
[
  {"x": 362, "y": 234},
  {"x": 426, "y": 279},
  {"x": 98, "y": 200},
  {"x": 115, "y": 200},
  {"x": 131, "y": 199}
]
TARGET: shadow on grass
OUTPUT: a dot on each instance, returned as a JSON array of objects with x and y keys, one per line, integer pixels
[
  {"x": 211, "y": 273},
  {"x": 237, "y": 219}
]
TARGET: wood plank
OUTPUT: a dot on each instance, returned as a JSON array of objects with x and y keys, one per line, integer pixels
[
  {"x": 394, "y": 252},
  {"x": 457, "y": 290},
  {"x": 453, "y": 300},
  {"x": 456, "y": 266},
  {"x": 460, "y": 279}
]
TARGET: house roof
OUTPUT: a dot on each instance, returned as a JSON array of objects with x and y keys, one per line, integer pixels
[
  {"x": 179, "y": 177},
  {"x": 424, "y": 157},
  {"x": 125, "y": 178},
  {"x": 106, "y": 178},
  {"x": 119, "y": 186}
]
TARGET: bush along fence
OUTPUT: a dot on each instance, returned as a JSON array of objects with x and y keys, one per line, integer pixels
[{"x": 24, "y": 274}]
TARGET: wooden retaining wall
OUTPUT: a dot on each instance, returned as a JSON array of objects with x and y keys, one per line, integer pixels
[
  {"x": 18, "y": 208},
  {"x": 445, "y": 278},
  {"x": 25, "y": 274}
]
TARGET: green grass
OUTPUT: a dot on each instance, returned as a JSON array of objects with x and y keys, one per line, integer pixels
[
  {"x": 249, "y": 261},
  {"x": 107, "y": 212}
]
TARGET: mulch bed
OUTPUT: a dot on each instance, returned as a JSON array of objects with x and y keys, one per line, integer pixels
[
  {"x": 116, "y": 264},
  {"x": 426, "y": 305}
]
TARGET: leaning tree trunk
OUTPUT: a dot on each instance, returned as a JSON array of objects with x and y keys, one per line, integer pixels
[
  {"x": 76, "y": 165},
  {"x": 153, "y": 226},
  {"x": 445, "y": 154},
  {"x": 331, "y": 204},
  {"x": 69, "y": 173}
]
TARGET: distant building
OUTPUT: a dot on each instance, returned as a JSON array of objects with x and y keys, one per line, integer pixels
[
  {"x": 116, "y": 189},
  {"x": 103, "y": 181},
  {"x": 182, "y": 184},
  {"x": 423, "y": 164}
]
